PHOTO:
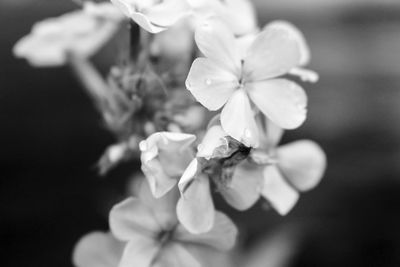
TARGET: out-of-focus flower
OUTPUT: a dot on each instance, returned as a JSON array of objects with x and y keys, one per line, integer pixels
[
  {"x": 154, "y": 15},
  {"x": 154, "y": 237},
  {"x": 173, "y": 49},
  {"x": 239, "y": 15},
  {"x": 226, "y": 79},
  {"x": 165, "y": 156},
  {"x": 98, "y": 249},
  {"x": 284, "y": 171},
  {"x": 118, "y": 153},
  {"x": 79, "y": 33}
]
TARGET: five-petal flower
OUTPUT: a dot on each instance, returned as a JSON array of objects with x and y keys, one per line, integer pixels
[{"x": 225, "y": 78}]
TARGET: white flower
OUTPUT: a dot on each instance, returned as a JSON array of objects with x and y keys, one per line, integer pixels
[
  {"x": 79, "y": 33},
  {"x": 165, "y": 156},
  {"x": 154, "y": 236},
  {"x": 226, "y": 79},
  {"x": 154, "y": 15}
]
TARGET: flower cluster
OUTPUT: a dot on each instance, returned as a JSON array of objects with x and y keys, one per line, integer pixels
[{"x": 202, "y": 98}]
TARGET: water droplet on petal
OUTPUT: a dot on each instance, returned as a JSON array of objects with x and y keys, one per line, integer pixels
[
  {"x": 247, "y": 137},
  {"x": 247, "y": 133},
  {"x": 208, "y": 81},
  {"x": 200, "y": 147}
]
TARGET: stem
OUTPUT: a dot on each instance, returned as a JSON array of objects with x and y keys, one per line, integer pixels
[
  {"x": 134, "y": 35},
  {"x": 140, "y": 41},
  {"x": 91, "y": 79}
]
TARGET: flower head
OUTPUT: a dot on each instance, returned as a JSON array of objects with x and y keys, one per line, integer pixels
[
  {"x": 80, "y": 33},
  {"x": 230, "y": 79},
  {"x": 154, "y": 237},
  {"x": 154, "y": 15}
]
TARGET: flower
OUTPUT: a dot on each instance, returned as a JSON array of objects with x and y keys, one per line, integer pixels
[
  {"x": 154, "y": 15},
  {"x": 97, "y": 249},
  {"x": 79, "y": 33},
  {"x": 284, "y": 171},
  {"x": 225, "y": 78},
  {"x": 154, "y": 237},
  {"x": 165, "y": 156}
]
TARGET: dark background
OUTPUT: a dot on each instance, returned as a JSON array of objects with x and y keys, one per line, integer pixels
[{"x": 51, "y": 138}]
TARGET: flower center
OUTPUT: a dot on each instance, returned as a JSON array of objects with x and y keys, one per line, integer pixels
[{"x": 164, "y": 236}]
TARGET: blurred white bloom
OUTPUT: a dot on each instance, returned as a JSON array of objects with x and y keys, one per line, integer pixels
[
  {"x": 226, "y": 79},
  {"x": 154, "y": 15},
  {"x": 165, "y": 156},
  {"x": 98, "y": 249},
  {"x": 117, "y": 153},
  {"x": 239, "y": 15},
  {"x": 155, "y": 238},
  {"x": 80, "y": 33},
  {"x": 283, "y": 171}
]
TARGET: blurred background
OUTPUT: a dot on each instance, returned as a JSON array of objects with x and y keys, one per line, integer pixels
[{"x": 51, "y": 138}]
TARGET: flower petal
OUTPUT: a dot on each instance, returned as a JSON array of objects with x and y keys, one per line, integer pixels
[
  {"x": 131, "y": 9},
  {"x": 175, "y": 255},
  {"x": 282, "y": 101},
  {"x": 273, "y": 53},
  {"x": 189, "y": 175},
  {"x": 222, "y": 235},
  {"x": 160, "y": 183},
  {"x": 296, "y": 34},
  {"x": 270, "y": 134},
  {"x": 212, "y": 140},
  {"x": 217, "y": 42},
  {"x": 131, "y": 218},
  {"x": 160, "y": 168},
  {"x": 97, "y": 249},
  {"x": 195, "y": 208},
  {"x": 277, "y": 191},
  {"x": 302, "y": 163},
  {"x": 210, "y": 84},
  {"x": 305, "y": 75},
  {"x": 140, "y": 251},
  {"x": 239, "y": 15},
  {"x": 243, "y": 191},
  {"x": 237, "y": 119},
  {"x": 163, "y": 208},
  {"x": 168, "y": 12}
]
